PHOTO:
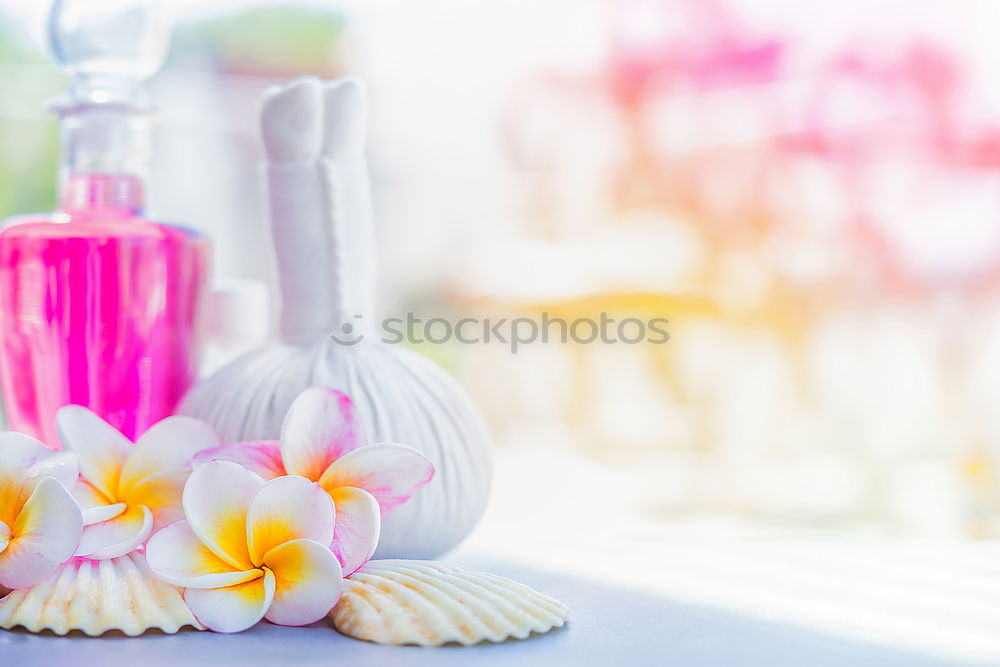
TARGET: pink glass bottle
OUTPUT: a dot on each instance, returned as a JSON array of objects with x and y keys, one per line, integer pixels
[{"x": 100, "y": 306}]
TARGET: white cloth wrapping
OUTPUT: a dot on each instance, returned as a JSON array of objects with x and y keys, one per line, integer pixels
[{"x": 322, "y": 228}]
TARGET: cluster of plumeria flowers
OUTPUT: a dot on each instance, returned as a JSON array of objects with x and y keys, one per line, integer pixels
[{"x": 251, "y": 530}]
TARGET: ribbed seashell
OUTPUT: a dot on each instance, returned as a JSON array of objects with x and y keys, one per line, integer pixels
[
  {"x": 98, "y": 596},
  {"x": 431, "y": 603}
]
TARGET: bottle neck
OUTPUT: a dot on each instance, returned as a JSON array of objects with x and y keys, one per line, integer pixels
[{"x": 105, "y": 159}]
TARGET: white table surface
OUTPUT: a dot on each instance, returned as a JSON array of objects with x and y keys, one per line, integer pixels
[{"x": 610, "y": 625}]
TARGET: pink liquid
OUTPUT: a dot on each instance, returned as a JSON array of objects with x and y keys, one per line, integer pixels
[{"x": 100, "y": 308}]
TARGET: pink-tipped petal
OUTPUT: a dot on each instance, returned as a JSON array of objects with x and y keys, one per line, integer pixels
[
  {"x": 101, "y": 449},
  {"x": 285, "y": 509},
  {"x": 170, "y": 443},
  {"x": 43, "y": 537},
  {"x": 63, "y": 466},
  {"x": 392, "y": 473},
  {"x": 176, "y": 555},
  {"x": 99, "y": 513},
  {"x": 261, "y": 456},
  {"x": 216, "y": 498},
  {"x": 307, "y": 577},
  {"x": 233, "y": 608},
  {"x": 355, "y": 535},
  {"x": 320, "y": 427},
  {"x": 118, "y": 536}
]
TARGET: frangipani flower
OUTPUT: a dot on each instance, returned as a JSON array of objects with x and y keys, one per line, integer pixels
[
  {"x": 250, "y": 549},
  {"x": 126, "y": 491},
  {"x": 40, "y": 523},
  {"x": 322, "y": 440}
]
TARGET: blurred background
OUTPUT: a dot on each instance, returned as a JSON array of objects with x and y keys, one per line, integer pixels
[{"x": 808, "y": 191}]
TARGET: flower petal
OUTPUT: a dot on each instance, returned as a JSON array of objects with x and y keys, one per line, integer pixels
[
  {"x": 261, "y": 456},
  {"x": 176, "y": 555},
  {"x": 233, "y": 608},
  {"x": 162, "y": 494},
  {"x": 14, "y": 492},
  {"x": 320, "y": 427},
  {"x": 4, "y": 536},
  {"x": 307, "y": 582},
  {"x": 169, "y": 443},
  {"x": 216, "y": 498},
  {"x": 392, "y": 473},
  {"x": 18, "y": 453},
  {"x": 284, "y": 509},
  {"x": 356, "y": 532},
  {"x": 99, "y": 513},
  {"x": 101, "y": 449},
  {"x": 63, "y": 466},
  {"x": 44, "y": 536},
  {"x": 88, "y": 496},
  {"x": 118, "y": 536}
]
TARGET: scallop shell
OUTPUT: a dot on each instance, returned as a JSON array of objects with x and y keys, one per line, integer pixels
[
  {"x": 97, "y": 596},
  {"x": 431, "y": 603}
]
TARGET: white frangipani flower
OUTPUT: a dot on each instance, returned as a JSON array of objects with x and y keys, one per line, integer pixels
[
  {"x": 40, "y": 523},
  {"x": 250, "y": 549},
  {"x": 127, "y": 491}
]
